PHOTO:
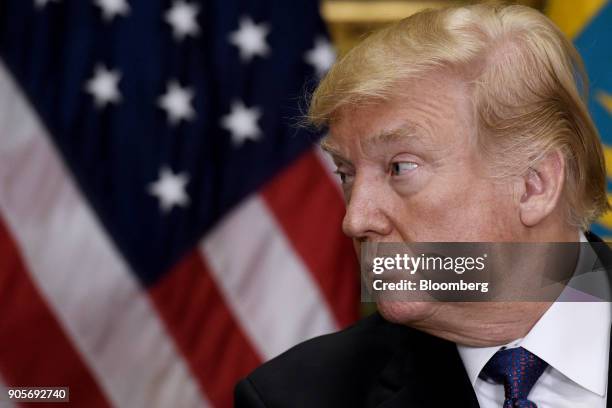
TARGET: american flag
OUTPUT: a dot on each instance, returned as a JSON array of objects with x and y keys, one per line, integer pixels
[{"x": 164, "y": 225}]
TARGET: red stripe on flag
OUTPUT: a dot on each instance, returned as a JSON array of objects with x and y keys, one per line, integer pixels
[
  {"x": 34, "y": 350},
  {"x": 205, "y": 331},
  {"x": 310, "y": 211}
]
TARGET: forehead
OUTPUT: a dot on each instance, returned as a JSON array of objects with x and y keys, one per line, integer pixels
[{"x": 430, "y": 109}]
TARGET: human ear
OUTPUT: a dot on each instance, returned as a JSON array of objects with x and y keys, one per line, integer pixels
[{"x": 541, "y": 188}]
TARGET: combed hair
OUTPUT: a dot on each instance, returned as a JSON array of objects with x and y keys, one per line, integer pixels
[{"x": 528, "y": 89}]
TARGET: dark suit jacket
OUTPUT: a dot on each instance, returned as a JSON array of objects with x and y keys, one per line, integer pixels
[{"x": 371, "y": 364}]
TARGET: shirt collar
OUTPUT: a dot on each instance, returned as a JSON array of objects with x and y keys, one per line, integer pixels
[{"x": 582, "y": 327}]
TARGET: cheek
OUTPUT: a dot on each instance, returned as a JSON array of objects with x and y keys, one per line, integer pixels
[{"x": 459, "y": 210}]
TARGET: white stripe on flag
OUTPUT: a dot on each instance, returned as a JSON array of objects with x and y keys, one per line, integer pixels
[
  {"x": 264, "y": 282},
  {"x": 4, "y": 399},
  {"x": 90, "y": 289}
]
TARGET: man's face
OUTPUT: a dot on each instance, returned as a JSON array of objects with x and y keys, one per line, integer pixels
[{"x": 412, "y": 172}]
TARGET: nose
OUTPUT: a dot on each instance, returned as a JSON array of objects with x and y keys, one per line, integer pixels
[{"x": 365, "y": 217}]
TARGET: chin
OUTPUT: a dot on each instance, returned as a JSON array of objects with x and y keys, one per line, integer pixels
[{"x": 406, "y": 312}]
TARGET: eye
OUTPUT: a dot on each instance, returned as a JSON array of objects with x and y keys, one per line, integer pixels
[
  {"x": 344, "y": 177},
  {"x": 399, "y": 168}
]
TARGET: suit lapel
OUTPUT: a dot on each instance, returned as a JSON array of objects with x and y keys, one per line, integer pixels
[{"x": 424, "y": 373}]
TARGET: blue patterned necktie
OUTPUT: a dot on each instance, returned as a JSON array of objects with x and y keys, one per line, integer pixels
[{"x": 518, "y": 370}]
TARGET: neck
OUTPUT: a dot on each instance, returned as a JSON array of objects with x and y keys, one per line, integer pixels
[
  {"x": 551, "y": 229},
  {"x": 484, "y": 324}
]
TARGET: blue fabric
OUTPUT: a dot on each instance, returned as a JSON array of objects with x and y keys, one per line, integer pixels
[
  {"x": 596, "y": 49},
  {"x": 518, "y": 370},
  {"x": 116, "y": 153}
]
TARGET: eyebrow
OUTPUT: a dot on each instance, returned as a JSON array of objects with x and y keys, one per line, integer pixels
[
  {"x": 400, "y": 134},
  {"x": 329, "y": 146}
]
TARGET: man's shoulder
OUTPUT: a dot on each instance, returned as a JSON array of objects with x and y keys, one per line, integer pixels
[
  {"x": 368, "y": 339},
  {"x": 318, "y": 370}
]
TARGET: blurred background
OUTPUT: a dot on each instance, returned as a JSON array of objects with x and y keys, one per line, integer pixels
[{"x": 165, "y": 224}]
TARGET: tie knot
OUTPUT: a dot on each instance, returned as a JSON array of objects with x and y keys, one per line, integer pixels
[{"x": 518, "y": 370}]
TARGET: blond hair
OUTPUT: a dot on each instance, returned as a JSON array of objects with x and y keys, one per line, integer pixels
[{"x": 527, "y": 80}]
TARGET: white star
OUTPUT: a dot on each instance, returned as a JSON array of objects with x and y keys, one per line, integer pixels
[
  {"x": 182, "y": 17},
  {"x": 40, "y": 4},
  {"x": 170, "y": 189},
  {"x": 104, "y": 86},
  {"x": 250, "y": 38},
  {"x": 322, "y": 56},
  {"x": 241, "y": 122},
  {"x": 112, "y": 8},
  {"x": 177, "y": 103}
]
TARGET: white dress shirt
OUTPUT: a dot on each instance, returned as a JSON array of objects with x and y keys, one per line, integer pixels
[{"x": 574, "y": 339}]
